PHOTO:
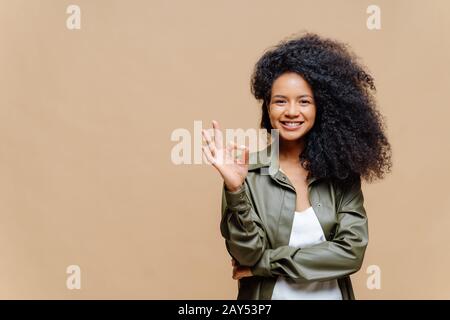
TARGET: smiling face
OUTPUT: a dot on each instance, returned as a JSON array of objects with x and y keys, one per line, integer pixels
[{"x": 292, "y": 109}]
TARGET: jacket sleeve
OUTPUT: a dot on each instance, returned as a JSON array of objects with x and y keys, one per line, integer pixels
[
  {"x": 341, "y": 256},
  {"x": 241, "y": 227}
]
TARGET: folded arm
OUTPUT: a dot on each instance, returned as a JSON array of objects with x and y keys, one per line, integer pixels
[{"x": 341, "y": 256}]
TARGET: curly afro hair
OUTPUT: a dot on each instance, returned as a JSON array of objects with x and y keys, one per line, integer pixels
[{"x": 347, "y": 140}]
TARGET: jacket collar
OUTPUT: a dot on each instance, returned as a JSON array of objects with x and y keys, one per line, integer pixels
[{"x": 267, "y": 160}]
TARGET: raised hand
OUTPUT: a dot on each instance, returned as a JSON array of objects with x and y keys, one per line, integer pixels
[{"x": 232, "y": 168}]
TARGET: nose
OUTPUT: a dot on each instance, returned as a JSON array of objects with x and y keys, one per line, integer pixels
[{"x": 292, "y": 110}]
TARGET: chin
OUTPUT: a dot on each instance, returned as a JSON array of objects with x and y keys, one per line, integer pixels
[{"x": 290, "y": 136}]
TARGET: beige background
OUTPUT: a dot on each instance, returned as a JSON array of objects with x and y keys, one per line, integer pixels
[{"x": 85, "y": 124}]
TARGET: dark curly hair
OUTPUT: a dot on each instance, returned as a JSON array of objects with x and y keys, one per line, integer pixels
[{"x": 347, "y": 140}]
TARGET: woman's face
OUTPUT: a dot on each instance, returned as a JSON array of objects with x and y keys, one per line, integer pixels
[{"x": 292, "y": 109}]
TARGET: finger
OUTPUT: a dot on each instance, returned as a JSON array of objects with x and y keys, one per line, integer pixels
[
  {"x": 209, "y": 142},
  {"x": 234, "y": 152},
  {"x": 218, "y": 137},
  {"x": 209, "y": 157},
  {"x": 244, "y": 155},
  {"x": 207, "y": 137},
  {"x": 238, "y": 153},
  {"x": 229, "y": 153}
]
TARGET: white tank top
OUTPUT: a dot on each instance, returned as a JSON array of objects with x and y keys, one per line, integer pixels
[{"x": 306, "y": 231}]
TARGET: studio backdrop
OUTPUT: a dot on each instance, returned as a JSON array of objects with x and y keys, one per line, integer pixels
[{"x": 93, "y": 204}]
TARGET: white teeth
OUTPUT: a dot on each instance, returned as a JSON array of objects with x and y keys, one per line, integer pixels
[{"x": 292, "y": 124}]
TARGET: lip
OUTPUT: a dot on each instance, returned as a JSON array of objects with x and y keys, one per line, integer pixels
[{"x": 289, "y": 128}]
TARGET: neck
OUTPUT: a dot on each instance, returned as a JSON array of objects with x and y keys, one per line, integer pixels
[{"x": 290, "y": 150}]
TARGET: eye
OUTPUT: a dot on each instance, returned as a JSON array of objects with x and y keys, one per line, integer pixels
[
  {"x": 279, "y": 101},
  {"x": 305, "y": 102}
]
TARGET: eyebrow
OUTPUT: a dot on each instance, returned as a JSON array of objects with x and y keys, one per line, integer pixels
[{"x": 300, "y": 96}]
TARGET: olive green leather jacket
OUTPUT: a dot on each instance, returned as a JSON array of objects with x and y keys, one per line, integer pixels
[{"x": 257, "y": 220}]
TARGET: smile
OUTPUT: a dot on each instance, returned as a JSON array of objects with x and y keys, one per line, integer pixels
[{"x": 291, "y": 125}]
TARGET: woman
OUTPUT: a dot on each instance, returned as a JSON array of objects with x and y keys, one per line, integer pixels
[{"x": 295, "y": 225}]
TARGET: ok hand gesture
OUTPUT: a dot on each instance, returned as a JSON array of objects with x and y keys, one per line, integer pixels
[{"x": 232, "y": 169}]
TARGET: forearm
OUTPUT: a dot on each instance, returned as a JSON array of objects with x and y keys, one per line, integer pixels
[
  {"x": 324, "y": 261},
  {"x": 241, "y": 227}
]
